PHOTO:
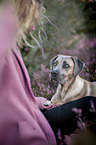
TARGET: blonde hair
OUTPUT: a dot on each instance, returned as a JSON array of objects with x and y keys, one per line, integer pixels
[{"x": 28, "y": 12}]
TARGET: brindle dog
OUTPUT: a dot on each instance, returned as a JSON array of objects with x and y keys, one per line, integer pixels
[{"x": 66, "y": 70}]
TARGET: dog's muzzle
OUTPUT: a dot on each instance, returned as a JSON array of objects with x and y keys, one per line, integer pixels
[{"x": 54, "y": 75}]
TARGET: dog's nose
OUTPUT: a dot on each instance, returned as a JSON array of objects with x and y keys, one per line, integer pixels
[{"x": 54, "y": 73}]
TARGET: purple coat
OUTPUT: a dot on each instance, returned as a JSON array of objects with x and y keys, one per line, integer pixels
[{"x": 21, "y": 121}]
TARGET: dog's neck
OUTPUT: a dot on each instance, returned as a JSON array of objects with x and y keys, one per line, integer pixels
[{"x": 68, "y": 84}]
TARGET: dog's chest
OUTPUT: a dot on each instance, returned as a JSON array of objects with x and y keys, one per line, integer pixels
[
  {"x": 62, "y": 92},
  {"x": 74, "y": 89}
]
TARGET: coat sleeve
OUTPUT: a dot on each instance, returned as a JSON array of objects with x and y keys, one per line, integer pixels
[{"x": 40, "y": 102}]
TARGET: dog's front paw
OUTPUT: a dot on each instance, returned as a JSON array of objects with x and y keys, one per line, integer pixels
[{"x": 47, "y": 103}]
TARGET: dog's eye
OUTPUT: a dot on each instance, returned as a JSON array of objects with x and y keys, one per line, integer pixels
[
  {"x": 65, "y": 65},
  {"x": 55, "y": 64}
]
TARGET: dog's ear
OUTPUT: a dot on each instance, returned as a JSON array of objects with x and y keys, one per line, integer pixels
[
  {"x": 51, "y": 61},
  {"x": 78, "y": 65}
]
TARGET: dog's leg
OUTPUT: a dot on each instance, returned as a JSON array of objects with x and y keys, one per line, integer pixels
[
  {"x": 53, "y": 100},
  {"x": 47, "y": 103},
  {"x": 57, "y": 95}
]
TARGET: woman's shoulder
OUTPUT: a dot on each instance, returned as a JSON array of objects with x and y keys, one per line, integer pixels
[{"x": 8, "y": 29}]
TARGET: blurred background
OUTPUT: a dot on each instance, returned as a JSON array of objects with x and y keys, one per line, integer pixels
[{"x": 66, "y": 27}]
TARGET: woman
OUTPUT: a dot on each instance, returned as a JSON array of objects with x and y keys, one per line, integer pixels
[{"x": 21, "y": 121}]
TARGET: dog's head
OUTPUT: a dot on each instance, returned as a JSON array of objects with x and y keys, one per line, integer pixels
[{"x": 64, "y": 67}]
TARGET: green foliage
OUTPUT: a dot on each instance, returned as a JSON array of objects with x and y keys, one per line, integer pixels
[{"x": 61, "y": 27}]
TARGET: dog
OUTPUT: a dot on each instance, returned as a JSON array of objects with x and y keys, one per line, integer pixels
[{"x": 65, "y": 70}]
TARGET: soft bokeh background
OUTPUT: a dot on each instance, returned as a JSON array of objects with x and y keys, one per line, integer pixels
[{"x": 67, "y": 27}]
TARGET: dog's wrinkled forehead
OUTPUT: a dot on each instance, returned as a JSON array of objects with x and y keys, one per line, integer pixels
[{"x": 64, "y": 58}]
